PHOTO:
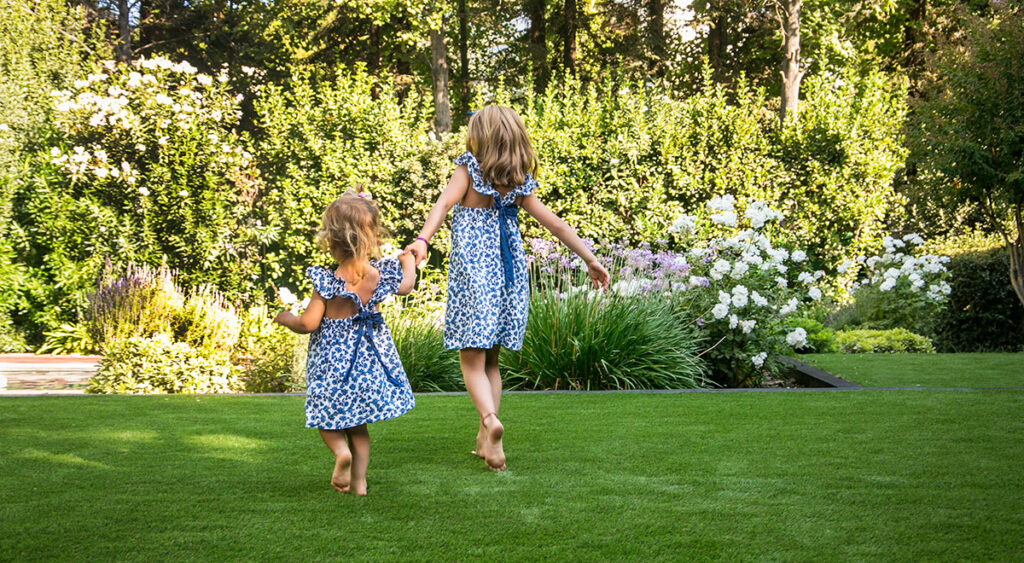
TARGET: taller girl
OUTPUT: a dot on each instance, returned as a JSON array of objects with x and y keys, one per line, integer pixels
[{"x": 488, "y": 286}]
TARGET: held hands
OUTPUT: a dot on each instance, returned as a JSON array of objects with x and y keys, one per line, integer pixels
[
  {"x": 418, "y": 249},
  {"x": 598, "y": 275}
]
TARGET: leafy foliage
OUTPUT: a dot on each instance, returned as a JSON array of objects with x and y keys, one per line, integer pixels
[
  {"x": 980, "y": 316},
  {"x": 894, "y": 341},
  {"x": 158, "y": 365}
]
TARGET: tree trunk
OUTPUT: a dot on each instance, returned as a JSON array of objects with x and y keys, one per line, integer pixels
[
  {"x": 791, "y": 73},
  {"x": 463, "y": 61},
  {"x": 373, "y": 53},
  {"x": 656, "y": 36},
  {"x": 439, "y": 74},
  {"x": 538, "y": 44},
  {"x": 124, "y": 44},
  {"x": 569, "y": 39},
  {"x": 1016, "y": 249},
  {"x": 716, "y": 47}
]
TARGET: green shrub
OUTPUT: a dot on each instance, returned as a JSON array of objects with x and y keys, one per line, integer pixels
[
  {"x": 895, "y": 341},
  {"x": 591, "y": 342},
  {"x": 68, "y": 339},
  {"x": 146, "y": 302},
  {"x": 820, "y": 339},
  {"x": 983, "y": 313},
  {"x": 271, "y": 358},
  {"x": 158, "y": 365}
]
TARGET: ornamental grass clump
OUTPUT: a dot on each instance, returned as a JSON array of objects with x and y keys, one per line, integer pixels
[{"x": 578, "y": 338}]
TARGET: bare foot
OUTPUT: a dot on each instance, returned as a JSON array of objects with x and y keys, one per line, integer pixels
[
  {"x": 342, "y": 471},
  {"x": 480, "y": 443},
  {"x": 358, "y": 488},
  {"x": 494, "y": 453}
]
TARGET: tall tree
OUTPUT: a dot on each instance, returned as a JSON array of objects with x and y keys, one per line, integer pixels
[
  {"x": 967, "y": 131},
  {"x": 439, "y": 76},
  {"x": 124, "y": 44},
  {"x": 535, "y": 10},
  {"x": 791, "y": 73},
  {"x": 656, "y": 51},
  {"x": 463, "y": 60},
  {"x": 569, "y": 25}
]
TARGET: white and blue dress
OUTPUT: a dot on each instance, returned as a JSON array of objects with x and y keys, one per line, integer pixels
[
  {"x": 353, "y": 373},
  {"x": 488, "y": 285}
]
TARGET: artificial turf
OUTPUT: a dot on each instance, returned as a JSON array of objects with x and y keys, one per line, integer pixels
[
  {"x": 924, "y": 370},
  {"x": 862, "y": 475}
]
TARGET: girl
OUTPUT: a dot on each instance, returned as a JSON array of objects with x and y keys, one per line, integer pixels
[
  {"x": 353, "y": 374},
  {"x": 488, "y": 289}
]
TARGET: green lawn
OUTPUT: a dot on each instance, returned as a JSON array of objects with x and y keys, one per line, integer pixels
[
  {"x": 881, "y": 475},
  {"x": 924, "y": 370}
]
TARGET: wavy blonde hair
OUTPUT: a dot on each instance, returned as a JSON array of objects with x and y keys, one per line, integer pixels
[
  {"x": 351, "y": 229},
  {"x": 497, "y": 138}
]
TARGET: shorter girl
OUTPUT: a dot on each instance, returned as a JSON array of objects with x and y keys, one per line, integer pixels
[{"x": 353, "y": 374}]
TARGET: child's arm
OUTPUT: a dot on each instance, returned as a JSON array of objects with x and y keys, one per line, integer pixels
[
  {"x": 452, "y": 194},
  {"x": 308, "y": 320},
  {"x": 408, "y": 262},
  {"x": 598, "y": 275}
]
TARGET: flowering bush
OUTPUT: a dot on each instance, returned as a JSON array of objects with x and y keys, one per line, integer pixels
[
  {"x": 143, "y": 166},
  {"x": 900, "y": 288},
  {"x": 732, "y": 284}
]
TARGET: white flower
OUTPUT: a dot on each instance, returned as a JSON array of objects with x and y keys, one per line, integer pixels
[
  {"x": 873, "y": 261},
  {"x": 797, "y": 338},
  {"x": 798, "y": 255},
  {"x": 720, "y": 311},
  {"x": 740, "y": 295},
  {"x": 759, "y": 213},
  {"x": 738, "y": 270},
  {"x": 814, "y": 293},
  {"x": 733, "y": 321},
  {"x": 721, "y": 203},
  {"x": 685, "y": 224},
  {"x": 806, "y": 277},
  {"x": 724, "y": 297},
  {"x": 204, "y": 79},
  {"x": 748, "y": 325},
  {"x": 759, "y": 359},
  {"x": 727, "y": 218},
  {"x": 789, "y": 307},
  {"x": 287, "y": 297},
  {"x": 781, "y": 282},
  {"x": 720, "y": 268},
  {"x": 781, "y": 268},
  {"x": 183, "y": 193},
  {"x": 846, "y": 265},
  {"x": 163, "y": 99},
  {"x": 758, "y": 299},
  {"x": 143, "y": 191},
  {"x": 888, "y": 284}
]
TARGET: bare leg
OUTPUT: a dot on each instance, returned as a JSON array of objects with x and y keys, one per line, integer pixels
[
  {"x": 359, "y": 438},
  {"x": 494, "y": 377},
  {"x": 335, "y": 440},
  {"x": 478, "y": 385}
]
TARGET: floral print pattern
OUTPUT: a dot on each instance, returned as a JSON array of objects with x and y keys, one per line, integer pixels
[
  {"x": 484, "y": 307},
  {"x": 353, "y": 373}
]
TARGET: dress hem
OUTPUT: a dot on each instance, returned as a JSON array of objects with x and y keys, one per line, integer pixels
[{"x": 370, "y": 420}]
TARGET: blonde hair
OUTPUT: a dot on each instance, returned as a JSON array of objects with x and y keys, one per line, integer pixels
[
  {"x": 351, "y": 229},
  {"x": 497, "y": 138}
]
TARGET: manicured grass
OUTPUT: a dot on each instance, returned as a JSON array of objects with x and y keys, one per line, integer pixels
[
  {"x": 924, "y": 370},
  {"x": 877, "y": 475}
]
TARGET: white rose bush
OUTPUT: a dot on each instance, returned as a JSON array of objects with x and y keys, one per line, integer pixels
[{"x": 901, "y": 287}]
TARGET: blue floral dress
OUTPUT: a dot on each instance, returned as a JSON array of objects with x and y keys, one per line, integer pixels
[
  {"x": 353, "y": 373},
  {"x": 488, "y": 287}
]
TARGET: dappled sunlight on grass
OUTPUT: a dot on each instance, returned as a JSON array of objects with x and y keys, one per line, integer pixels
[{"x": 60, "y": 458}]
